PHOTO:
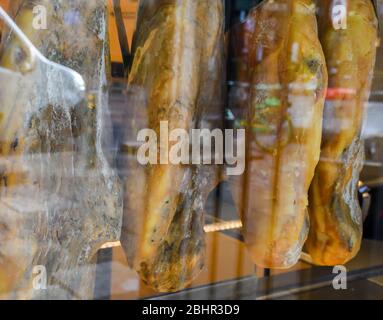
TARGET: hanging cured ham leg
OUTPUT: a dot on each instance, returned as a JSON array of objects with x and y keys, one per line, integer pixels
[
  {"x": 350, "y": 48},
  {"x": 175, "y": 79},
  {"x": 178, "y": 49},
  {"x": 287, "y": 78},
  {"x": 60, "y": 200}
]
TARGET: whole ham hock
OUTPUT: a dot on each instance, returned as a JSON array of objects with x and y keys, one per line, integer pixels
[
  {"x": 284, "y": 70},
  {"x": 176, "y": 77},
  {"x": 60, "y": 199},
  {"x": 350, "y": 49}
]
